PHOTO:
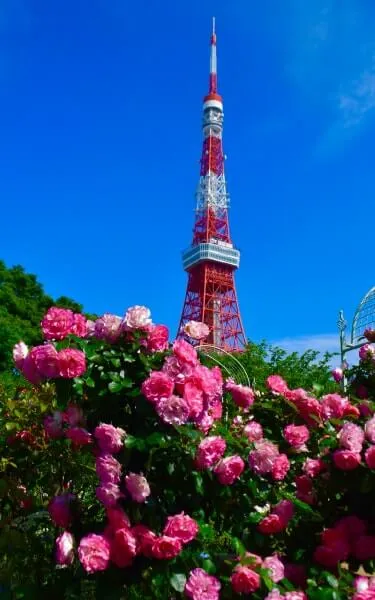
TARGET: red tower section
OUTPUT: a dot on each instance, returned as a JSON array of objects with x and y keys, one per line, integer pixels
[{"x": 212, "y": 259}]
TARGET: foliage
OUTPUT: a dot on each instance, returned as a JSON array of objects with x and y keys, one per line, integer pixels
[{"x": 231, "y": 515}]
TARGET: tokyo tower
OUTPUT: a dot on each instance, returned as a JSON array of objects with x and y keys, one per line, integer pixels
[{"x": 211, "y": 259}]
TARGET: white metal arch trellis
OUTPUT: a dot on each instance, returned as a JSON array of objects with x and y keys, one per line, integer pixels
[
  {"x": 232, "y": 367},
  {"x": 364, "y": 317}
]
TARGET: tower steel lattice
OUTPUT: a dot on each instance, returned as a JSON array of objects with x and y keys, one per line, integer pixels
[{"x": 212, "y": 258}]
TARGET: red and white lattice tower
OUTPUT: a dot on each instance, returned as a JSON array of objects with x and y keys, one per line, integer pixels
[{"x": 212, "y": 259}]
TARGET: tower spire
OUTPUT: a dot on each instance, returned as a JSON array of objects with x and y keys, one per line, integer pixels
[{"x": 213, "y": 61}]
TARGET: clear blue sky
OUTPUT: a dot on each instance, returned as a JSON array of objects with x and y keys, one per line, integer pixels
[{"x": 100, "y": 104}]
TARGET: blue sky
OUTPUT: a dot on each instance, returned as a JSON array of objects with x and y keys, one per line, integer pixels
[{"x": 100, "y": 104}]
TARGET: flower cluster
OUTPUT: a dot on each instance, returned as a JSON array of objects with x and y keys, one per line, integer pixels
[
  {"x": 157, "y": 451},
  {"x": 46, "y": 362}
]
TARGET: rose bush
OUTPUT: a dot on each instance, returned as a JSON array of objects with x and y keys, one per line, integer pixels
[{"x": 132, "y": 470}]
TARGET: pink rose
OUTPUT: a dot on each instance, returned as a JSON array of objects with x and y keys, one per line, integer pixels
[
  {"x": 79, "y": 327},
  {"x": 229, "y": 469},
  {"x": 296, "y": 435},
  {"x": 280, "y": 467},
  {"x": 261, "y": 460},
  {"x": 370, "y": 430},
  {"x": 30, "y": 372},
  {"x": 272, "y": 524},
  {"x": 90, "y": 328},
  {"x": 337, "y": 374},
  {"x": 242, "y": 395},
  {"x": 145, "y": 539},
  {"x": 59, "y": 510},
  {"x": 65, "y": 549},
  {"x": 57, "y": 323},
  {"x": 365, "y": 595},
  {"x": 346, "y": 460},
  {"x": 274, "y": 595},
  {"x": 45, "y": 359},
  {"x": 109, "y": 438},
  {"x": 20, "y": 351},
  {"x": 215, "y": 409},
  {"x": 138, "y": 487},
  {"x": 209, "y": 452},
  {"x": 245, "y": 580},
  {"x": 365, "y": 586},
  {"x": 166, "y": 548},
  {"x": 108, "y": 328},
  {"x": 313, "y": 466},
  {"x": 137, "y": 317},
  {"x": 370, "y": 457},
  {"x": 196, "y": 330},
  {"x": 79, "y": 436},
  {"x": 194, "y": 398},
  {"x": 204, "y": 422},
  {"x": 182, "y": 527},
  {"x": 94, "y": 553},
  {"x": 277, "y": 384},
  {"x": 369, "y": 333},
  {"x": 157, "y": 386},
  {"x": 295, "y": 596},
  {"x": 185, "y": 353},
  {"x": 53, "y": 425},
  {"x": 310, "y": 410},
  {"x": 284, "y": 509},
  {"x": 173, "y": 410},
  {"x": 202, "y": 586},
  {"x": 367, "y": 352},
  {"x": 123, "y": 548},
  {"x": 108, "y": 468},
  {"x": 333, "y": 406},
  {"x": 108, "y": 494},
  {"x": 275, "y": 567},
  {"x": 210, "y": 381},
  {"x": 157, "y": 339},
  {"x": 72, "y": 363},
  {"x": 351, "y": 437},
  {"x": 253, "y": 431}
]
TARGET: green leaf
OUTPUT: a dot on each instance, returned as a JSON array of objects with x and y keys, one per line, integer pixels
[
  {"x": 209, "y": 566},
  {"x": 115, "y": 386},
  {"x": 9, "y": 426},
  {"x": 178, "y": 582},
  {"x": 90, "y": 382},
  {"x": 331, "y": 580},
  {"x": 116, "y": 362},
  {"x": 155, "y": 439},
  {"x": 238, "y": 546},
  {"x": 198, "y": 483}
]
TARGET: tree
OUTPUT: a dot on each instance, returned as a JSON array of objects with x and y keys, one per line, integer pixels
[{"x": 23, "y": 303}]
